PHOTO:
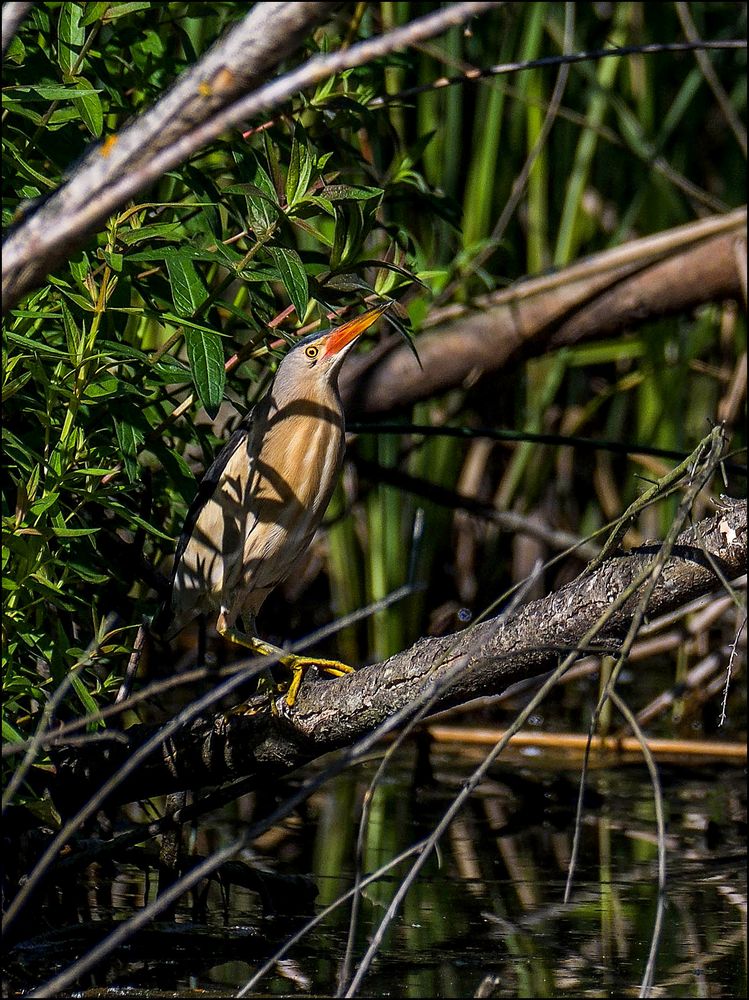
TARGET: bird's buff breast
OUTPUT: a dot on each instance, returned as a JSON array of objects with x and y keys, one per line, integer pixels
[{"x": 270, "y": 500}]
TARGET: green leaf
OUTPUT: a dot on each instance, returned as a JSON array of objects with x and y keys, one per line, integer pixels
[
  {"x": 206, "y": 355},
  {"x": 261, "y": 180},
  {"x": 91, "y": 471},
  {"x": 25, "y": 168},
  {"x": 115, "y": 260},
  {"x": 79, "y": 268},
  {"x": 160, "y": 230},
  {"x": 347, "y": 192},
  {"x": 43, "y": 503},
  {"x": 322, "y": 159},
  {"x": 256, "y": 270},
  {"x": 188, "y": 291},
  {"x": 73, "y": 532},
  {"x": 188, "y": 253},
  {"x": 121, "y": 9},
  {"x": 108, "y": 385},
  {"x": 129, "y": 437},
  {"x": 137, "y": 520},
  {"x": 348, "y": 235},
  {"x": 89, "y": 705},
  {"x": 181, "y": 478},
  {"x": 307, "y": 228},
  {"x": 273, "y": 160},
  {"x": 86, "y": 573},
  {"x": 89, "y": 107},
  {"x": 55, "y": 91},
  {"x": 324, "y": 203},
  {"x": 93, "y": 12},
  {"x": 300, "y": 167},
  {"x": 152, "y": 43},
  {"x": 61, "y": 117},
  {"x": 47, "y": 585},
  {"x": 395, "y": 268},
  {"x": 293, "y": 276},
  {"x": 228, "y": 256},
  {"x": 15, "y": 107},
  {"x": 191, "y": 324},
  {"x": 12, "y": 387},
  {"x": 261, "y": 200},
  {"x": 16, "y": 51},
  {"x": 72, "y": 335},
  {"x": 85, "y": 304},
  {"x": 10, "y": 734},
  {"x": 70, "y": 37},
  {"x": 262, "y": 212}
]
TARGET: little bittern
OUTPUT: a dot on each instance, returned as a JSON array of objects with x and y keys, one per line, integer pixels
[{"x": 262, "y": 499}]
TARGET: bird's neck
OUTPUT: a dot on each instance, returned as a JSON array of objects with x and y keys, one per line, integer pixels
[{"x": 321, "y": 403}]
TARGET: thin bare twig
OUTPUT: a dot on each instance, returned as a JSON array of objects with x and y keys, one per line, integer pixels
[
  {"x": 647, "y": 980},
  {"x": 521, "y": 180},
  {"x": 731, "y": 658},
  {"x": 711, "y": 77},
  {"x": 590, "y": 55},
  {"x": 648, "y": 576},
  {"x": 425, "y": 693},
  {"x": 700, "y": 468},
  {"x": 517, "y": 601}
]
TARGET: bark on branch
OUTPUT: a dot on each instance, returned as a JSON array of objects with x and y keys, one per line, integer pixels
[
  {"x": 484, "y": 659},
  {"x": 605, "y": 294}
]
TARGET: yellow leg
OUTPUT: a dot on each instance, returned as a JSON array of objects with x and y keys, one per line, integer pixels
[{"x": 296, "y": 664}]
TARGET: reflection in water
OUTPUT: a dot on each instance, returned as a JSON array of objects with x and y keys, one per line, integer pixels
[{"x": 487, "y": 912}]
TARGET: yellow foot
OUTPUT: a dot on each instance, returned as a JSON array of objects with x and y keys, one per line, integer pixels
[
  {"x": 299, "y": 664},
  {"x": 296, "y": 664}
]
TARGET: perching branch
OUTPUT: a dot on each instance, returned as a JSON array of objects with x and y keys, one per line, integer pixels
[{"x": 484, "y": 659}]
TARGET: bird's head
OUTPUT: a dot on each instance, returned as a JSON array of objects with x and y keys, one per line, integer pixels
[{"x": 318, "y": 358}]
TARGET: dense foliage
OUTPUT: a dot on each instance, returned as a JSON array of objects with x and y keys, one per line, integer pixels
[{"x": 191, "y": 291}]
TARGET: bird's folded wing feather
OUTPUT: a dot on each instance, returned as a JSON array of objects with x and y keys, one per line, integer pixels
[{"x": 206, "y": 489}]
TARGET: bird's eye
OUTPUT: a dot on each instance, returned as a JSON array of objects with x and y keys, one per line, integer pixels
[{"x": 311, "y": 352}]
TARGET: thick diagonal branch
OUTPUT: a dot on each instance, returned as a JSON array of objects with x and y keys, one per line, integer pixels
[
  {"x": 484, "y": 659},
  {"x": 602, "y": 296}
]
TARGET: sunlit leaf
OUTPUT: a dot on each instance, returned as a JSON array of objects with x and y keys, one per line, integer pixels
[
  {"x": 71, "y": 37},
  {"x": 300, "y": 167},
  {"x": 159, "y": 230},
  {"x": 129, "y": 437},
  {"x": 116, "y": 10},
  {"x": 73, "y": 335},
  {"x": 293, "y": 276},
  {"x": 88, "y": 104},
  {"x": 206, "y": 355},
  {"x": 188, "y": 290},
  {"x": 16, "y": 51},
  {"x": 93, "y": 12},
  {"x": 348, "y": 192}
]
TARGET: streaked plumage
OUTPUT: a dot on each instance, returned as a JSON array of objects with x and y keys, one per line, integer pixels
[{"x": 261, "y": 501}]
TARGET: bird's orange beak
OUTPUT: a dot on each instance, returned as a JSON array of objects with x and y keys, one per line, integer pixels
[{"x": 342, "y": 336}]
